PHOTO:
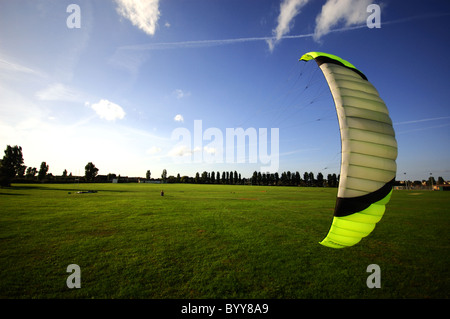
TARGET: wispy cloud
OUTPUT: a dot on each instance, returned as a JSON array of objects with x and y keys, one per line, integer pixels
[
  {"x": 107, "y": 110},
  {"x": 288, "y": 10},
  {"x": 181, "y": 94},
  {"x": 142, "y": 13},
  {"x": 128, "y": 60},
  {"x": 348, "y": 12},
  {"x": 58, "y": 92},
  {"x": 15, "y": 67}
]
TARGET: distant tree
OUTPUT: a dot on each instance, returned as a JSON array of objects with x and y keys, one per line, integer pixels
[
  {"x": 178, "y": 178},
  {"x": 50, "y": 177},
  {"x": 431, "y": 181},
  {"x": 264, "y": 179},
  {"x": 270, "y": 178},
  {"x": 311, "y": 179},
  {"x": 184, "y": 179},
  {"x": 164, "y": 175},
  {"x": 320, "y": 179},
  {"x": 213, "y": 177},
  {"x": 306, "y": 179},
  {"x": 204, "y": 178},
  {"x": 197, "y": 178},
  {"x": 417, "y": 183},
  {"x": 440, "y": 180},
  {"x": 148, "y": 174},
  {"x": 217, "y": 177},
  {"x": 297, "y": 178},
  {"x": 43, "y": 171},
  {"x": 283, "y": 178},
  {"x": 332, "y": 180},
  {"x": 171, "y": 179},
  {"x": 110, "y": 177},
  {"x": 21, "y": 170},
  {"x": 64, "y": 174},
  {"x": 255, "y": 178},
  {"x": 223, "y": 178},
  {"x": 90, "y": 171},
  {"x": 31, "y": 172},
  {"x": 277, "y": 178},
  {"x": 11, "y": 165}
]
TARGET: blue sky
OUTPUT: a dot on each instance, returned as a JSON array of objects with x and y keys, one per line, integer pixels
[{"x": 115, "y": 90}]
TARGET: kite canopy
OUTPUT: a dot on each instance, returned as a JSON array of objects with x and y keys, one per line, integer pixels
[{"x": 369, "y": 151}]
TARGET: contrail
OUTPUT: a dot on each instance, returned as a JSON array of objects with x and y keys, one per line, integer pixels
[
  {"x": 423, "y": 120},
  {"x": 423, "y": 128},
  {"x": 191, "y": 44},
  {"x": 210, "y": 43}
]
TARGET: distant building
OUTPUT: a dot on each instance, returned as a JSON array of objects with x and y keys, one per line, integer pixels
[{"x": 444, "y": 187}]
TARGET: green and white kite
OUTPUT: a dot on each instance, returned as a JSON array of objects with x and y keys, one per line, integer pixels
[{"x": 369, "y": 151}]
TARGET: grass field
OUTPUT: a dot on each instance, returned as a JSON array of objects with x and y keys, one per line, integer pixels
[{"x": 214, "y": 241}]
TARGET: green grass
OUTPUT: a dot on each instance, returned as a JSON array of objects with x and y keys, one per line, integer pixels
[{"x": 215, "y": 241}]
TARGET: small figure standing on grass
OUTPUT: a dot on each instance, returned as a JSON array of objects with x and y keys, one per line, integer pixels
[{"x": 162, "y": 193}]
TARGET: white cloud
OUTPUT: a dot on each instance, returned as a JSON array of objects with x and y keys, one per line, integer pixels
[
  {"x": 288, "y": 10},
  {"x": 108, "y": 110},
  {"x": 210, "y": 150},
  {"x": 182, "y": 150},
  {"x": 154, "y": 150},
  {"x": 181, "y": 94},
  {"x": 142, "y": 13},
  {"x": 58, "y": 92},
  {"x": 167, "y": 25},
  {"x": 348, "y": 12},
  {"x": 178, "y": 118}
]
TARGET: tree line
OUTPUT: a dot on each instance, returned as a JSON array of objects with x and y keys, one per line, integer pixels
[
  {"x": 258, "y": 178},
  {"x": 12, "y": 168}
]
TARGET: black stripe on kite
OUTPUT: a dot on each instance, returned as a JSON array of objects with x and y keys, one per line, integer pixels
[
  {"x": 324, "y": 59},
  {"x": 351, "y": 205}
]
